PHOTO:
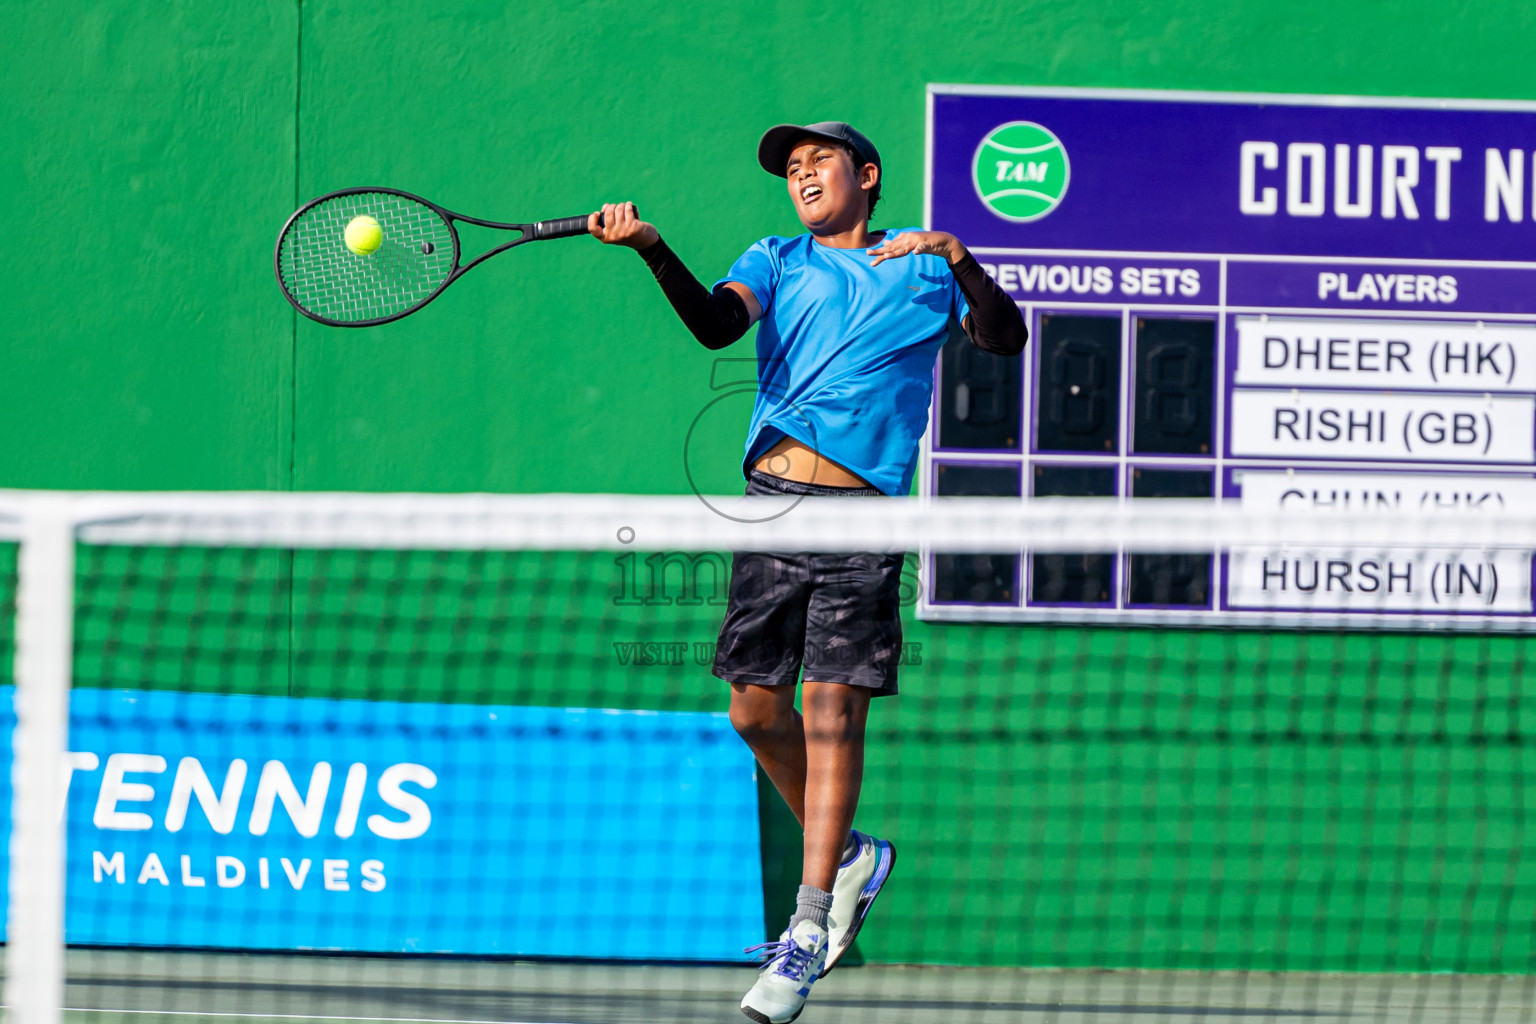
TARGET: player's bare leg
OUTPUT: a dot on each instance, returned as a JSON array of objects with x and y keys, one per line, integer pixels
[
  {"x": 851, "y": 866},
  {"x": 766, "y": 719},
  {"x": 835, "y": 717},
  {"x": 815, "y": 762}
]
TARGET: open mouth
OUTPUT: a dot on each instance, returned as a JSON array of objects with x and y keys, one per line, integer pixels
[{"x": 810, "y": 193}]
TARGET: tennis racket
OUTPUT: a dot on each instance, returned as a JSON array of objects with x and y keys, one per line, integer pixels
[{"x": 416, "y": 254}]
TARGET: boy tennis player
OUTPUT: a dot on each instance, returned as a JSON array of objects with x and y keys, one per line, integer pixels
[{"x": 849, "y": 334}]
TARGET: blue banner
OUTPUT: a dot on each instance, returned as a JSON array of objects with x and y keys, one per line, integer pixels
[{"x": 206, "y": 820}]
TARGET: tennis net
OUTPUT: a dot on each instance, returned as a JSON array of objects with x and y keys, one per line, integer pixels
[{"x": 461, "y": 758}]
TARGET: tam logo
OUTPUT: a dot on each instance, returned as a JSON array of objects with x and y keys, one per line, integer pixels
[
  {"x": 118, "y": 793},
  {"x": 1021, "y": 171}
]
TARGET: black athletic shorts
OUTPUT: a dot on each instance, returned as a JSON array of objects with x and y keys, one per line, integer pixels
[{"x": 838, "y": 616}]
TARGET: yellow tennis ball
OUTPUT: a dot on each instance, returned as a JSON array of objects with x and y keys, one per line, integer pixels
[{"x": 364, "y": 235}]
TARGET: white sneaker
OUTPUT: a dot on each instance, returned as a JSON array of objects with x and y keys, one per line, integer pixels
[
  {"x": 794, "y": 964},
  {"x": 853, "y": 892}
]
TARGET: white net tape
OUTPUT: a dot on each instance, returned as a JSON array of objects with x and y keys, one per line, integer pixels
[{"x": 595, "y": 522}]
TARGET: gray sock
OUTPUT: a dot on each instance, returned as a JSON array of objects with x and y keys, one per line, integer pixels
[{"x": 811, "y": 904}]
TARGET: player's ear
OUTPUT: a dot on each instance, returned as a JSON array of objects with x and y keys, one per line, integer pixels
[{"x": 869, "y": 177}]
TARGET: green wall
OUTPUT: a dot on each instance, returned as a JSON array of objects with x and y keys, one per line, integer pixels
[{"x": 155, "y": 150}]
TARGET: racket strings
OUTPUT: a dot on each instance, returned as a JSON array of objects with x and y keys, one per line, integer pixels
[{"x": 329, "y": 280}]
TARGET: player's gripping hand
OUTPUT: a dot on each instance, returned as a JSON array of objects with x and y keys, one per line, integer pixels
[
  {"x": 918, "y": 243},
  {"x": 621, "y": 225}
]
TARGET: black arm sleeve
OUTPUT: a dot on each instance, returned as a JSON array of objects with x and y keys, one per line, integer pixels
[
  {"x": 716, "y": 318},
  {"x": 995, "y": 323}
]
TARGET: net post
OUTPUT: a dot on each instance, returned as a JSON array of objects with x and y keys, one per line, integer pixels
[{"x": 34, "y": 976}]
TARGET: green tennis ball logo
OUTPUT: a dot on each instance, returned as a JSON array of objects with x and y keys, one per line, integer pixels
[{"x": 1021, "y": 171}]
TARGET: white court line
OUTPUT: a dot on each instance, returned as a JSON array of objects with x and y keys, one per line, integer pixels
[{"x": 291, "y": 1016}]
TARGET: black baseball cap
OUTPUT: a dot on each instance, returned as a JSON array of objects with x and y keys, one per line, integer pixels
[{"x": 780, "y": 140}]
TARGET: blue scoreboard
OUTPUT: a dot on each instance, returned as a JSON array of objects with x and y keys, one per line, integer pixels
[{"x": 1286, "y": 300}]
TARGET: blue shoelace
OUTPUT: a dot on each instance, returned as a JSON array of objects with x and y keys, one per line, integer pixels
[{"x": 795, "y": 960}]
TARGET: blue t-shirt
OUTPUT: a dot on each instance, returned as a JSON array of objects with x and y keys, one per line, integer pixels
[{"x": 845, "y": 352}]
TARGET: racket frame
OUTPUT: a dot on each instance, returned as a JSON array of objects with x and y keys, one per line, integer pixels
[{"x": 532, "y": 232}]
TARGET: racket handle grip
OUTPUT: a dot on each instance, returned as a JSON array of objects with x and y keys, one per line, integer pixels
[{"x": 565, "y": 227}]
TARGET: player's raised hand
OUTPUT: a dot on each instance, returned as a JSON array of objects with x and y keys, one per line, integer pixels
[
  {"x": 620, "y": 224},
  {"x": 918, "y": 243}
]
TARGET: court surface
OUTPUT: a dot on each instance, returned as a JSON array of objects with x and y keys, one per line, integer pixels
[{"x": 123, "y": 987}]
